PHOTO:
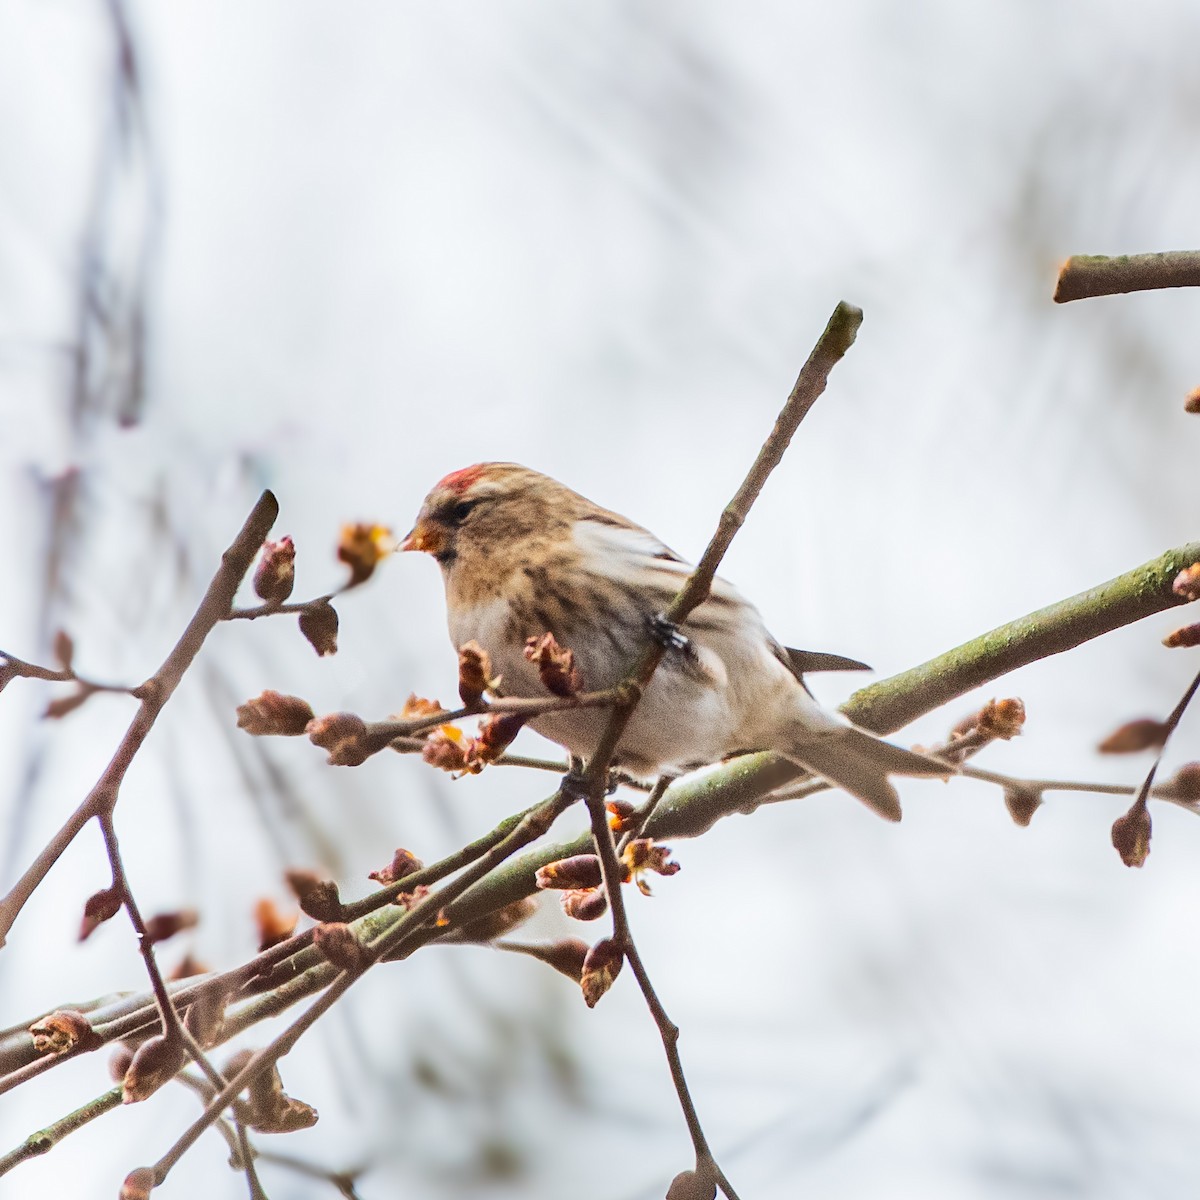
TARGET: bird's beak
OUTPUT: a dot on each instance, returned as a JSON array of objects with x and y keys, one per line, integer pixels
[{"x": 422, "y": 537}]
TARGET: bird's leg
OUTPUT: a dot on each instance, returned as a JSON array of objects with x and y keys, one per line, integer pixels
[
  {"x": 573, "y": 783},
  {"x": 667, "y": 634}
]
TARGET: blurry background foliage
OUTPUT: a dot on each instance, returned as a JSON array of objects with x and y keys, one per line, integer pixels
[{"x": 341, "y": 251}]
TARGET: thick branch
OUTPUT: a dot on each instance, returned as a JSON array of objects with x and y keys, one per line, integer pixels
[{"x": 1086, "y": 275}]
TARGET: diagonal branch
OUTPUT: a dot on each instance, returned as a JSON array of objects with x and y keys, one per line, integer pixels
[{"x": 153, "y": 694}]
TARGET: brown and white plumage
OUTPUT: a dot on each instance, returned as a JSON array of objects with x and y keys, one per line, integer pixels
[{"x": 522, "y": 555}]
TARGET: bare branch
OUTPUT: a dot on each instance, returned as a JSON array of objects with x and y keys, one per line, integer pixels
[{"x": 1085, "y": 275}]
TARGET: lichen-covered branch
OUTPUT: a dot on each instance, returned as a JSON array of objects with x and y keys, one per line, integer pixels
[{"x": 1086, "y": 275}]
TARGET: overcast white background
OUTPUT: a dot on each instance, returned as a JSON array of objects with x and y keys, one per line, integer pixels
[{"x": 388, "y": 240}]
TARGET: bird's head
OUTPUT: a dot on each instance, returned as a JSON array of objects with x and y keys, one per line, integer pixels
[{"x": 487, "y": 507}]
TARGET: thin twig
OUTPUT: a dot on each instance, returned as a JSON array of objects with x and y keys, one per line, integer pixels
[
  {"x": 154, "y": 694},
  {"x": 1086, "y": 275}
]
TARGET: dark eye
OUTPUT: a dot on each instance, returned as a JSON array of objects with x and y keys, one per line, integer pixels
[{"x": 458, "y": 512}]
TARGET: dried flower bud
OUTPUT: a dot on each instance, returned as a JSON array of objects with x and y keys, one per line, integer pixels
[
  {"x": 64, "y": 649},
  {"x": 269, "y": 1109},
  {"x": 474, "y": 673},
  {"x": 62, "y": 706},
  {"x": 155, "y": 1062},
  {"x": 1142, "y": 734},
  {"x": 319, "y": 624},
  {"x": 495, "y": 924},
  {"x": 274, "y": 714},
  {"x": 343, "y": 735},
  {"x": 1022, "y": 802},
  {"x": 275, "y": 575},
  {"x": 166, "y": 925},
  {"x": 138, "y": 1184},
  {"x": 446, "y": 749},
  {"x": 118, "y": 1061},
  {"x": 566, "y": 955},
  {"x": 496, "y": 734},
  {"x": 1002, "y": 718},
  {"x": 601, "y": 966},
  {"x": 621, "y": 814},
  {"x": 1185, "y": 783},
  {"x": 273, "y": 926},
  {"x": 641, "y": 856},
  {"x": 1187, "y": 583},
  {"x": 417, "y": 706},
  {"x": 318, "y": 897},
  {"x": 1131, "y": 834},
  {"x": 188, "y": 966},
  {"x": 403, "y": 863},
  {"x": 64, "y": 1030},
  {"x": 578, "y": 871},
  {"x": 205, "y": 1016},
  {"x": 585, "y": 904},
  {"x": 1187, "y": 635},
  {"x": 362, "y": 547},
  {"x": 555, "y": 665},
  {"x": 97, "y": 908},
  {"x": 691, "y": 1185},
  {"x": 340, "y": 945},
  {"x": 1191, "y": 403}
]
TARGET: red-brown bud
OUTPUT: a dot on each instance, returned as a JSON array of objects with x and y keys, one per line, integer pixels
[
  {"x": 585, "y": 904},
  {"x": 691, "y": 1185},
  {"x": 566, "y": 955},
  {"x": 555, "y": 665},
  {"x": 155, "y": 1062},
  {"x": 273, "y": 926},
  {"x": 138, "y": 1184},
  {"x": 403, "y": 863},
  {"x": 64, "y": 649},
  {"x": 1022, "y": 802},
  {"x": 474, "y": 673},
  {"x": 1002, "y": 718},
  {"x": 188, "y": 966},
  {"x": 362, "y": 547},
  {"x": 601, "y": 966},
  {"x": 1142, "y": 734},
  {"x": 64, "y": 1030},
  {"x": 1191, "y": 403},
  {"x": 274, "y": 714},
  {"x": 205, "y": 1016},
  {"x": 319, "y": 624},
  {"x": 97, "y": 908},
  {"x": 275, "y": 575},
  {"x": 343, "y": 735},
  {"x": 496, "y": 734},
  {"x": 166, "y": 925},
  {"x": 621, "y": 814},
  {"x": 1187, "y": 583},
  {"x": 1185, "y": 783},
  {"x": 118, "y": 1061},
  {"x": 1131, "y": 834},
  {"x": 418, "y": 706},
  {"x": 569, "y": 874},
  {"x": 1187, "y": 635},
  {"x": 62, "y": 706},
  {"x": 339, "y": 944},
  {"x": 319, "y": 898}
]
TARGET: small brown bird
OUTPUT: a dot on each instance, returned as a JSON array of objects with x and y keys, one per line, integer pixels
[{"x": 522, "y": 555}]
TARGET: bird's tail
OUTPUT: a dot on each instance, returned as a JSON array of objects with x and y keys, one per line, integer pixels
[{"x": 860, "y": 763}]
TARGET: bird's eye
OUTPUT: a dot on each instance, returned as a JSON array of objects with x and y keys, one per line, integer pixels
[{"x": 458, "y": 512}]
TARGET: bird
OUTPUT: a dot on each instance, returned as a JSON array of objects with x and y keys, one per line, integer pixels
[{"x": 523, "y": 555}]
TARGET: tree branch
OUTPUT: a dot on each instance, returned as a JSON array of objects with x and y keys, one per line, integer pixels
[{"x": 1085, "y": 275}]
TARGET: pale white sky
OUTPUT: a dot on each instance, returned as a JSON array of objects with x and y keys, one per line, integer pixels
[{"x": 601, "y": 240}]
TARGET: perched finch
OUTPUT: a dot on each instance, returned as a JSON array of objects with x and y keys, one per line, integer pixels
[{"x": 522, "y": 555}]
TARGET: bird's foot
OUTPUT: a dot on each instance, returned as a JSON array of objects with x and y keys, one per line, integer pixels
[{"x": 667, "y": 634}]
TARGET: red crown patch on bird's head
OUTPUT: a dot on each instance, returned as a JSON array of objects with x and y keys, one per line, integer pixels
[{"x": 459, "y": 481}]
